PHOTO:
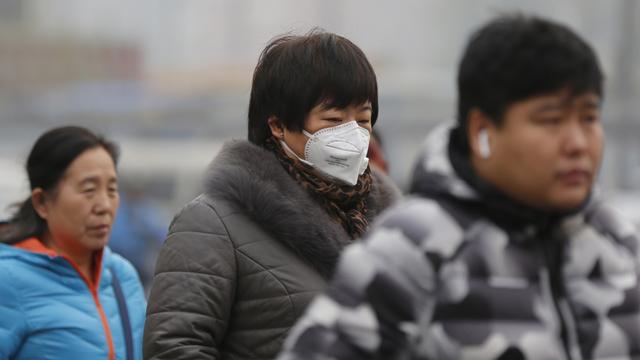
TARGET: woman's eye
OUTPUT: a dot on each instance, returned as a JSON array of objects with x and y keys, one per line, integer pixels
[{"x": 334, "y": 119}]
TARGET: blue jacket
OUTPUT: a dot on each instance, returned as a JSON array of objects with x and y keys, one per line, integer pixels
[{"x": 49, "y": 311}]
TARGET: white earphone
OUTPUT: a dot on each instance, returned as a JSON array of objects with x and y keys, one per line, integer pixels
[{"x": 483, "y": 144}]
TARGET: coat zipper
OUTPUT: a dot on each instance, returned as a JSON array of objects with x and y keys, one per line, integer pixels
[
  {"x": 93, "y": 290},
  {"x": 553, "y": 252}
]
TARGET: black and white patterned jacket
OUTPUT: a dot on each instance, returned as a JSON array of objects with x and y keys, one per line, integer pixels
[{"x": 453, "y": 274}]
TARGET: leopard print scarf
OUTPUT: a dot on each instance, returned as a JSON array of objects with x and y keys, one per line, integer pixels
[{"x": 345, "y": 204}]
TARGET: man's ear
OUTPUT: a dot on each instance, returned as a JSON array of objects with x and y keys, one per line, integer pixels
[
  {"x": 276, "y": 127},
  {"x": 480, "y": 129},
  {"x": 38, "y": 200}
]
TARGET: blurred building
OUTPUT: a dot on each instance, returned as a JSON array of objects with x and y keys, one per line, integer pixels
[{"x": 180, "y": 70}]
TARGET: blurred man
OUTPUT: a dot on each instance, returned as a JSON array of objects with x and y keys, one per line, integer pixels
[{"x": 505, "y": 252}]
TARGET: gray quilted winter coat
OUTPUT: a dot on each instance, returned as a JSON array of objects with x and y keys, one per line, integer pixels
[{"x": 242, "y": 261}]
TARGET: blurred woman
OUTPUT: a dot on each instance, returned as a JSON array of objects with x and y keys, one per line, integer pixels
[
  {"x": 243, "y": 260},
  {"x": 63, "y": 293}
]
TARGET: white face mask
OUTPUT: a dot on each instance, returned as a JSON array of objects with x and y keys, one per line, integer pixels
[{"x": 339, "y": 151}]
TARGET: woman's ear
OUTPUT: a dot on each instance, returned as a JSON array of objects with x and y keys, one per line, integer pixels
[
  {"x": 275, "y": 125},
  {"x": 38, "y": 200}
]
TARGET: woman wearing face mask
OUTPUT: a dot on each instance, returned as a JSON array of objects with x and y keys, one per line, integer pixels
[
  {"x": 63, "y": 293},
  {"x": 243, "y": 260}
]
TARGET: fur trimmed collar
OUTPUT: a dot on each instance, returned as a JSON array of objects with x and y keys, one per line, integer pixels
[{"x": 252, "y": 178}]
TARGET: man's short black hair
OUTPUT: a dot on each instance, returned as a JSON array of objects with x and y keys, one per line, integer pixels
[
  {"x": 296, "y": 73},
  {"x": 515, "y": 57}
]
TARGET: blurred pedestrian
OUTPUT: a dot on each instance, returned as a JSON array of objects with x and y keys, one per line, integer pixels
[
  {"x": 376, "y": 155},
  {"x": 505, "y": 251},
  {"x": 63, "y": 293},
  {"x": 242, "y": 261},
  {"x": 138, "y": 231}
]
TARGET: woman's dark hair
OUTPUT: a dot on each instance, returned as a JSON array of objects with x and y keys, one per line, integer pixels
[
  {"x": 48, "y": 160},
  {"x": 515, "y": 57},
  {"x": 296, "y": 73}
]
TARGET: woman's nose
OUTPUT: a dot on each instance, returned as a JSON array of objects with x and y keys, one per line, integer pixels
[{"x": 103, "y": 202}]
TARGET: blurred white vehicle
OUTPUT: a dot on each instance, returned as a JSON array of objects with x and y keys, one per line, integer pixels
[
  {"x": 14, "y": 186},
  {"x": 167, "y": 171}
]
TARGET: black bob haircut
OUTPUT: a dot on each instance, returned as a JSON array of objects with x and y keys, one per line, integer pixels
[
  {"x": 515, "y": 57},
  {"x": 296, "y": 73}
]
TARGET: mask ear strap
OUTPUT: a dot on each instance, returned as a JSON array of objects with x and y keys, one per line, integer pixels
[
  {"x": 288, "y": 149},
  {"x": 363, "y": 165}
]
